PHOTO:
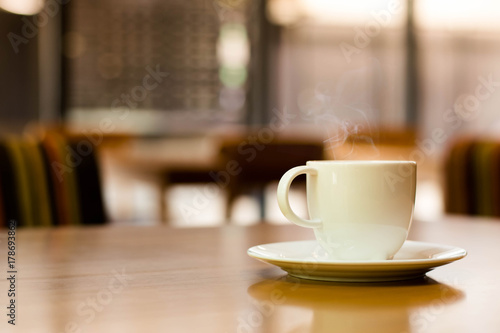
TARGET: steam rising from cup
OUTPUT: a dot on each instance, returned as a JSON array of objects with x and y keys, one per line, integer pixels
[{"x": 343, "y": 110}]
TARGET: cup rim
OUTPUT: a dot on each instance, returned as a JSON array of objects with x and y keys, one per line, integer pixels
[{"x": 361, "y": 162}]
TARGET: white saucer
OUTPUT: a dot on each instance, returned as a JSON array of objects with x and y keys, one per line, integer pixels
[{"x": 308, "y": 260}]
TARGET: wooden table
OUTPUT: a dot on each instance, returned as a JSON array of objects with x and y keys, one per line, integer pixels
[{"x": 159, "y": 279}]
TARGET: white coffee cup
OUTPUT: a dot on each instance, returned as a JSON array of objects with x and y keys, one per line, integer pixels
[{"x": 359, "y": 210}]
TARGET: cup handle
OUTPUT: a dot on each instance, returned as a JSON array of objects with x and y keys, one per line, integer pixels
[{"x": 284, "y": 203}]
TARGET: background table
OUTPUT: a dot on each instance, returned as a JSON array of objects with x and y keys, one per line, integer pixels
[{"x": 159, "y": 279}]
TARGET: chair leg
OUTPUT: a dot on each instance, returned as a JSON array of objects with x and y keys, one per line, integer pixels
[
  {"x": 231, "y": 198},
  {"x": 163, "y": 201},
  {"x": 261, "y": 199}
]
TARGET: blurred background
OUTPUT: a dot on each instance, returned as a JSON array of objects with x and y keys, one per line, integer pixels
[{"x": 194, "y": 108}]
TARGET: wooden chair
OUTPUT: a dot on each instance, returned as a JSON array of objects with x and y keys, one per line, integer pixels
[
  {"x": 246, "y": 168},
  {"x": 264, "y": 164}
]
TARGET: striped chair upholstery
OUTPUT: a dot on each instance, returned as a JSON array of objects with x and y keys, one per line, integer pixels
[
  {"x": 472, "y": 178},
  {"x": 49, "y": 181}
]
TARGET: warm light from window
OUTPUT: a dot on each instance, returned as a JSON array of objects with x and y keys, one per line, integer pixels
[
  {"x": 458, "y": 14},
  {"x": 233, "y": 53},
  {"x": 284, "y": 12},
  {"x": 337, "y": 12},
  {"x": 22, "y": 7},
  {"x": 232, "y": 46}
]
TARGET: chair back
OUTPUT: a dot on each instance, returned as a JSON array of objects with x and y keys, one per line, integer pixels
[
  {"x": 53, "y": 180},
  {"x": 472, "y": 178}
]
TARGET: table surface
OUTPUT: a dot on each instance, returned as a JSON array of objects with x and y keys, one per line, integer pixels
[{"x": 160, "y": 279}]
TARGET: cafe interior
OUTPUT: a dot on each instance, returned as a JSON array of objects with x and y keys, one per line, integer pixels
[{"x": 142, "y": 145}]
